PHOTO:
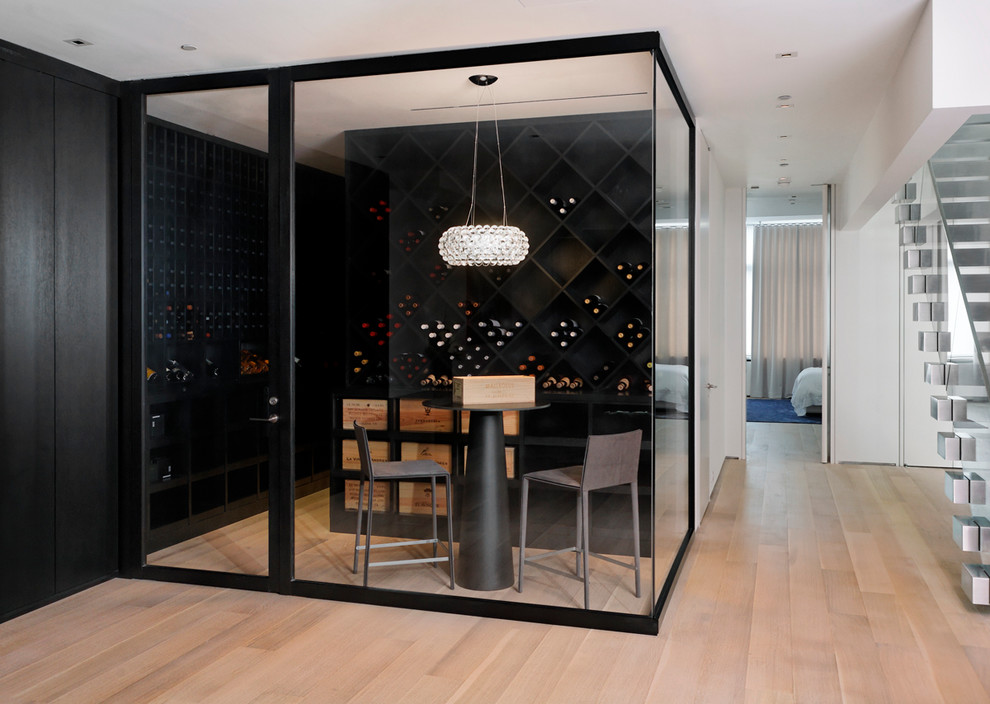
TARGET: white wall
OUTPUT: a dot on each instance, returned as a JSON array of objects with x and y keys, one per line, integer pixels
[
  {"x": 718, "y": 335},
  {"x": 710, "y": 328},
  {"x": 942, "y": 80},
  {"x": 919, "y": 431},
  {"x": 720, "y": 317},
  {"x": 960, "y": 53},
  {"x": 866, "y": 342},
  {"x": 733, "y": 263}
]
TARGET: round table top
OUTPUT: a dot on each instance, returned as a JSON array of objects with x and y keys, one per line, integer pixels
[{"x": 448, "y": 404}]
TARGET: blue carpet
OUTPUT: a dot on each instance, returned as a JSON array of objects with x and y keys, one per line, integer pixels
[{"x": 774, "y": 410}]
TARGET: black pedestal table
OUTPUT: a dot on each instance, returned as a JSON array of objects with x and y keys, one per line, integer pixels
[{"x": 484, "y": 556}]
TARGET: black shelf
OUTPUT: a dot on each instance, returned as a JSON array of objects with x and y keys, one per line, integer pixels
[{"x": 206, "y": 309}]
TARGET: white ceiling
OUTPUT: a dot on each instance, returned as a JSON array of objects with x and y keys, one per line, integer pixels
[{"x": 722, "y": 50}]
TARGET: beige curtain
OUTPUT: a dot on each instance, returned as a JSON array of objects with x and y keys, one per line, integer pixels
[
  {"x": 788, "y": 310},
  {"x": 672, "y": 295}
]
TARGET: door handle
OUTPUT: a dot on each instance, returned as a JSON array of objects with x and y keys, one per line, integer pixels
[{"x": 273, "y": 418}]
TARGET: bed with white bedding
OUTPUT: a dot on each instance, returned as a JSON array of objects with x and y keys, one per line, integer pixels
[
  {"x": 672, "y": 385},
  {"x": 806, "y": 395}
]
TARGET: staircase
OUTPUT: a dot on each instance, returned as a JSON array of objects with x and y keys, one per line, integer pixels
[{"x": 960, "y": 179}]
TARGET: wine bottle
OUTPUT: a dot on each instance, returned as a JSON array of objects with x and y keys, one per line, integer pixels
[
  {"x": 622, "y": 384},
  {"x": 179, "y": 372},
  {"x": 602, "y": 372}
]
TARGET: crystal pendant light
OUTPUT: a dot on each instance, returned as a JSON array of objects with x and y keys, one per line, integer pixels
[{"x": 484, "y": 245}]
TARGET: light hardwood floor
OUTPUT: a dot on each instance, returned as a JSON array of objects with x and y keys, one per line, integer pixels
[{"x": 805, "y": 583}]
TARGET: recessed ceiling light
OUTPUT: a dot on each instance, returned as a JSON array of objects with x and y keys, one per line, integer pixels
[
  {"x": 784, "y": 97},
  {"x": 78, "y": 42},
  {"x": 783, "y": 136},
  {"x": 786, "y": 55},
  {"x": 784, "y": 181},
  {"x": 785, "y": 105},
  {"x": 784, "y": 163},
  {"x": 754, "y": 188},
  {"x": 188, "y": 47}
]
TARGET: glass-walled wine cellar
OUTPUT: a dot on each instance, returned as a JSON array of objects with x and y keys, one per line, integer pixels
[{"x": 293, "y": 284}]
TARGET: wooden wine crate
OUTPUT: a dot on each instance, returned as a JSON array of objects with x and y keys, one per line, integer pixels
[
  {"x": 510, "y": 462},
  {"x": 414, "y": 498},
  {"x": 510, "y": 422},
  {"x": 351, "y": 459},
  {"x": 370, "y": 413},
  {"x": 417, "y": 418},
  {"x": 439, "y": 453},
  {"x": 494, "y": 389},
  {"x": 352, "y": 487}
]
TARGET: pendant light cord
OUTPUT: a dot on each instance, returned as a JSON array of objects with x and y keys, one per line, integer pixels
[{"x": 474, "y": 166}]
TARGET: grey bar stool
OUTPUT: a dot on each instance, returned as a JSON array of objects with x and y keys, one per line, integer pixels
[
  {"x": 395, "y": 471},
  {"x": 609, "y": 460}
]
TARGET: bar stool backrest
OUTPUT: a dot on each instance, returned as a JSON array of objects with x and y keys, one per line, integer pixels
[
  {"x": 611, "y": 460},
  {"x": 363, "y": 450}
]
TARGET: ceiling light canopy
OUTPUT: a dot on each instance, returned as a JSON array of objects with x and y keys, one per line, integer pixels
[{"x": 484, "y": 245}]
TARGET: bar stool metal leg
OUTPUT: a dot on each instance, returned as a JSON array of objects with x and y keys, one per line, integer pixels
[
  {"x": 522, "y": 530},
  {"x": 635, "y": 514},
  {"x": 433, "y": 506},
  {"x": 367, "y": 537},
  {"x": 357, "y": 531},
  {"x": 584, "y": 543},
  {"x": 450, "y": 533},
  {"x": 578, "y": 534}
]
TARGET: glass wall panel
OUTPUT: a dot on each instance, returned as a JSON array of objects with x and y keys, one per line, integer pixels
[
  {"x": 206, "y": 330},
  {"x": 673, "y": 382},
  {"x": 384, "y": 167}
]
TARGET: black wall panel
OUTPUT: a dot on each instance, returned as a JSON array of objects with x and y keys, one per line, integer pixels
[
  {"x": 85, "y": 363},
  {"x": 58, "y": 337},
  {"x": 27, "y": 395}
]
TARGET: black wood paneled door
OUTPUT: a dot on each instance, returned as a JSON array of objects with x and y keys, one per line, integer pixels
[{"x": 27, "y": 331}]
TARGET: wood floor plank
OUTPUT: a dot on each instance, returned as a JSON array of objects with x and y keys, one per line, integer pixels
[
  {"x": 769, "y": 665},
  {"x": 539, "y": 675}
]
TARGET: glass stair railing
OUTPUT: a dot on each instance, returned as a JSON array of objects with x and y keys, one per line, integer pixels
[{"x": 959, "y": 179}]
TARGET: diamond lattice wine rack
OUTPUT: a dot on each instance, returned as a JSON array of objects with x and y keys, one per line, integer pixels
[{"x": 576, "y": 312}]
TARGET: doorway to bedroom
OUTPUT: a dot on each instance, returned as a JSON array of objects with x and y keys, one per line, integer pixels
[{"x": 785, "y": 309}]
